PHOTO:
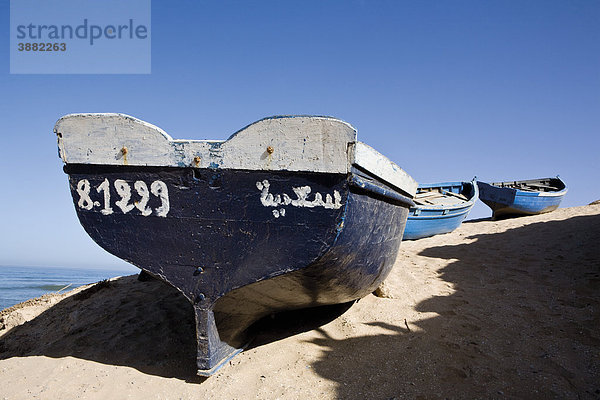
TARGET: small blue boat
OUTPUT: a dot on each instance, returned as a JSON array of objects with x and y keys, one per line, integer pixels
[
  {"x": 527, "y": 197},
  {"x": 440, "y": 208},
  {"x": 288, "y": 213}
]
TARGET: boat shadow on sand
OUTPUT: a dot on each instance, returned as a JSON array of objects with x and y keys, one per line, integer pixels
[
  {"x": 522, "y": 322},
  {"x": 147, "y": 325}
]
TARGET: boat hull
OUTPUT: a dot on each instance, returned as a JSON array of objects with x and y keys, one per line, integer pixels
[
  {"x": 507, "y": 202},
  {"x": 240, "y": 245},
  {"x": 426, "y": 221}
]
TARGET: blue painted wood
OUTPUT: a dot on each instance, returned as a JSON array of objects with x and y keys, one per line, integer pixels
[
  {"x": 235, "y": 258},
  {"x": 429, "y": 220},
  {"x": 526, "y": 197}
]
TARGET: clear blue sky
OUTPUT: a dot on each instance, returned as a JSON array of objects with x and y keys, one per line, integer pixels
[{"x": 446, "y": 89}]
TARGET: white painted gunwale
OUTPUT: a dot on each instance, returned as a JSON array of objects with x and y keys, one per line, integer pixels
[
  {"x": 286, "y": 143},
  {"x": 547, "y": 194},
  {"x": 369, "y": 159}
]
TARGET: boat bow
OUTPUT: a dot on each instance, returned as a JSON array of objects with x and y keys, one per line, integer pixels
[{"x": 277, "y": 205}]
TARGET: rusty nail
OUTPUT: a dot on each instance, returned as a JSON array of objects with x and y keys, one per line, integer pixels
[
  {"x": 124, "y": 150},
  {"x": 270, "y": 150},
  {"x": 197, "y": 160}
]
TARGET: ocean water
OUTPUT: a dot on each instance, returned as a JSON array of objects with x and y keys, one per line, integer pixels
[{"x": 18, "y": 284}]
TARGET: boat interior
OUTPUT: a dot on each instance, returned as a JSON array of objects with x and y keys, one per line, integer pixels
[
  {"x": 534, "y": 185},
  {"x": 441, "y": 196}
]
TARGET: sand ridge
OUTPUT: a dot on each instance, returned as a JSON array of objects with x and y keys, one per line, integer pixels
[{"x": 496, "y": 309}]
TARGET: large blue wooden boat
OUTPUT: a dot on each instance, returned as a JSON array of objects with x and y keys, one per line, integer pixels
[
  {"x": 527, "y": 197},
  {"x": 289, "y": 212},
  {"x": 440, "y": 208}
]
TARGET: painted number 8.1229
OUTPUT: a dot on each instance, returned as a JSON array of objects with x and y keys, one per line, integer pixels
[{"x": 157, "y": 188}]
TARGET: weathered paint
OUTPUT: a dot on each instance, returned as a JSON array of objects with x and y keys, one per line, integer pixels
[
  {"x": 289, "y": 143},
  {"x": 238, "y": 243},
  {"x": 317, "y": 144},
  {"x": 361, "y": 255},
  {"x": 378, "y": 189},
  {"x": 506, "y": 201},
  {"x": 429, "y": 220},
  {"x": 236, "y": 240},
  {"x": 370, "y": 160}
]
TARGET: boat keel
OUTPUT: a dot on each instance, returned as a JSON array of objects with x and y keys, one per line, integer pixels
[{"x": 212, "y": 352}]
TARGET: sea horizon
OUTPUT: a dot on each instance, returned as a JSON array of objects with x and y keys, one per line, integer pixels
[{"x": 21, "y": 283}]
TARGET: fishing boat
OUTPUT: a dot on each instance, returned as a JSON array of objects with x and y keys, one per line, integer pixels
[
  {"x": 288, "y": 213},
  {"x": 440, "y": 208},
  {"x": 527, "y": 197}
]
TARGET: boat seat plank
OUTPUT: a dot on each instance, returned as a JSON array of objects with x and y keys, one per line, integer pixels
[
  {"x": 438, "y": 201},
  {"x": 457, "y": 195},
  {"x": 428, "y": 194},
  {"x": 540, "y": 186},
  {"x": 449, "y": 201}
]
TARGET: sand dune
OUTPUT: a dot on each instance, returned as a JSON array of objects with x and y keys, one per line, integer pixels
[{"x": 496, "y": 309}]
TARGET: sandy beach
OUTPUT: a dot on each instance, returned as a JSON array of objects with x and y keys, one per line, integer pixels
[{"x": 496, "y": 309}]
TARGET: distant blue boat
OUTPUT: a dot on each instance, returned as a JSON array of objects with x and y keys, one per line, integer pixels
[
  {"x": 440, "y": 208},
  {"x": 528, "y": 197}
]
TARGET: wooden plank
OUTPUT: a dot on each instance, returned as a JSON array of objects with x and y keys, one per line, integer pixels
[
  {"x": 315, "y": 144},
  {"x": 541, "y": 186},
  {"x": 457, "y": 195},
  {"x": 428, "y": 194},
  {"x": 424, "y": 202},
  {"x": 371, "y": 160},
  {"x": 302, "y": 143}
]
